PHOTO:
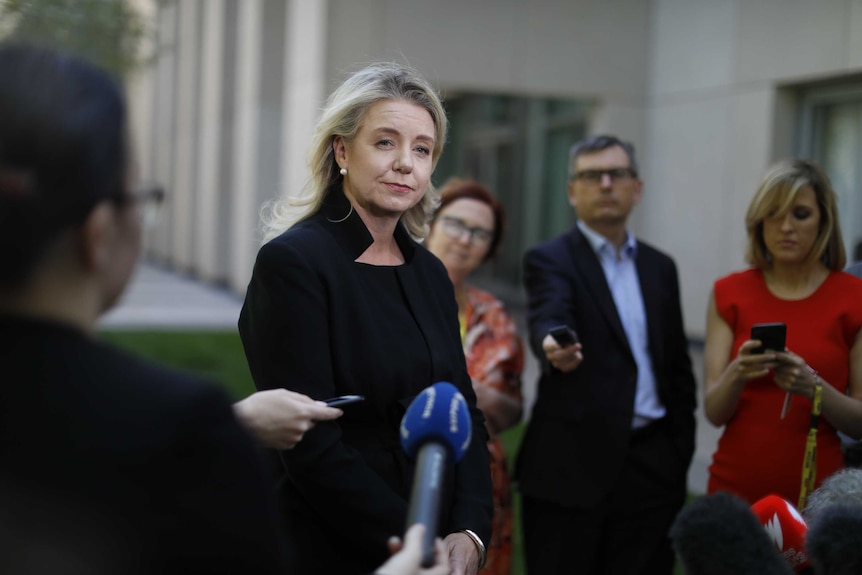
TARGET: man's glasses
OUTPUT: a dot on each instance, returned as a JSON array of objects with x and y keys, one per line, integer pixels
[
  {"x": 596, "y": 176},
  {"x": 456, "y": 228}
]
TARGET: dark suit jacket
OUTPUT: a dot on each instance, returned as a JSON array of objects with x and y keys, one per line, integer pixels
[
  {"x": 579, "y": 432},
  {"x": 310, "y": 324},
  {"x": 110, "y": 464}
]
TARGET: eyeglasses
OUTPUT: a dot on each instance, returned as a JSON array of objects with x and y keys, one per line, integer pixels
[
  {"x": 596, "y": 176},
  {"x": 455, "y": 228},
  {"x": 149, "y": 202}
]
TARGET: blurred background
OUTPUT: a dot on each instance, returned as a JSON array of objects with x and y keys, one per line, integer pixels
[
  {"x": 224, "y": 95},
  {"x": 711, "y": 93}
]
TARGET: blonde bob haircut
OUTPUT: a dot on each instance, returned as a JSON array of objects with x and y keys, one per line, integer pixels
[
  {"x": 775, "y": 197},
  {"x": 342, "y": 116}
]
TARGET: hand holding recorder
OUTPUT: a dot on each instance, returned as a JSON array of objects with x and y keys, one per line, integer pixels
[
  {"x": 562, "y": 348},
  {"x": 279, "y": 418}
]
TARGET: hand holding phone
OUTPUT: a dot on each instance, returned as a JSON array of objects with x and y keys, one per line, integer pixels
[
  {"x": 342, "y": 400},
  {"x": 564, "y": 335},
  {"x": 772, "y": 336}
]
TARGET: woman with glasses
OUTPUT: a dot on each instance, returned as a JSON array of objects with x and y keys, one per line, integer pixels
[
  {"x": 466, "y": 231},
  {"x": 343, "y": 301}
]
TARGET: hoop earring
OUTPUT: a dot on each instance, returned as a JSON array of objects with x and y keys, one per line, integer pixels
[{"x": 343, "y": 171}]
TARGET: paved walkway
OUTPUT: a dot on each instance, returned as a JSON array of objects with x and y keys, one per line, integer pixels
[
  {"x": 162, "y": 300},
  {"x": 159, "y": 299}
]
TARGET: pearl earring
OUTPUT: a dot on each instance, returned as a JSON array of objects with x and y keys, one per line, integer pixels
[{"x": 343, "y": 171}]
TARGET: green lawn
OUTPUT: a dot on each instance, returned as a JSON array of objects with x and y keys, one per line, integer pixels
[{"x": 219, "y": 357}]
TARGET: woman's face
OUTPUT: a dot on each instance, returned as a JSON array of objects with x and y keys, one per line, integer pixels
[
  {"x": 389, "y": 161},
  {"x": 791, "y": 237},
  {"x": 461, "y": 236}
]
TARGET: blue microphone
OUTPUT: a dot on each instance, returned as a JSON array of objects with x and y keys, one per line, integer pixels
[{"x": 435, "y": 429}]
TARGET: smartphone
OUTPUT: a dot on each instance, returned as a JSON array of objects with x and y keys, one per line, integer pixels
[
  {"x": 564, "y": 335},
  {"x": 343, "y": 400},
  {"x": 771, "y": 335}
]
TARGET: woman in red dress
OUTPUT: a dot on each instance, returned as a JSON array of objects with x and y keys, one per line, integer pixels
[
  {"x": 466, "y": 231},
  {"x": 766, "y": 400}
]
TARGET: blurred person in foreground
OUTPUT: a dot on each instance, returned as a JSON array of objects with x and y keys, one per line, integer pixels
[
  {"x": 796, "y": 255},
  {"x": 720, "y": 535},
  {"x": 834, "y": 540},
  {"x": 465, "y": 231},
  {"x": 843, "y": 486},
  {"x": 342, "y": 301},
  {"x": 603, "y": 463},
  {"x": 123, "y": 466}
]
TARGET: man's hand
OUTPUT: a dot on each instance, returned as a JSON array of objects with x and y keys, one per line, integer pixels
[
  {"x": 565, "y": 359},
  {"x": 279, "y": 418}
]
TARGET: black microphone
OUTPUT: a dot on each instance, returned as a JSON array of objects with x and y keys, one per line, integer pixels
[
  {"x": 719, "y": 533},
  {"x": 435, "y": 430}
]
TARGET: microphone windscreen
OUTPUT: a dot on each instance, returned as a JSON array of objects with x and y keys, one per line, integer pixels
[
  {"x": 785, "y": 527},
  {"x": 438, "y": 414}
]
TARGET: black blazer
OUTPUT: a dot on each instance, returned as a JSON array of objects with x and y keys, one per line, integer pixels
[
  {"x": 579, "y": 432},
  {"x": 110, "y": 464},
  {"x": 310, "y": 324}
]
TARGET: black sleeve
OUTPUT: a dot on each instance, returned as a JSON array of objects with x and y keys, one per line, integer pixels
[
  {"x": 550, "y": 298},
  {"x": 217, "y": 500},
  {"x": 683, "y": 386}
]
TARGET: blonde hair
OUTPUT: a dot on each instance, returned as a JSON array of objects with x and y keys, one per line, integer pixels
[
  {"x": 775, "y": 197},
  {"x": 342, "y": 116}
]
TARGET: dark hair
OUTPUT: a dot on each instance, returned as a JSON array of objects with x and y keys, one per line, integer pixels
[
  {"x": 720, "y": 535},
  {"x": 597, "y": 144},
  {"x": 62, "y": 149},
  {"x": 834, "y": 540},
  {"x": 455, "y": 189}
]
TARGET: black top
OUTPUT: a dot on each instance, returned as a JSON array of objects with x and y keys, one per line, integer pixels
[
  {"x": 318, "y": 322},
  {"x": 119, "y": 466}
]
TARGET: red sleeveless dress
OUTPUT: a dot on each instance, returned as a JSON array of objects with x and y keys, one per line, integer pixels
[{"x": 759, "y": 453}]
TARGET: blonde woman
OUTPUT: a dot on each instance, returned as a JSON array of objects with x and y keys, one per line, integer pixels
[
  {"x": 796, "y": 254},
  {"x": 344, "y": 301}
]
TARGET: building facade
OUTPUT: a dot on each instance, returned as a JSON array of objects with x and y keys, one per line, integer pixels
[{"x": 711, "y": 93}]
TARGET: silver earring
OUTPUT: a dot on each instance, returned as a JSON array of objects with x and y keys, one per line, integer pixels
[{"x": 343, "y": 171}]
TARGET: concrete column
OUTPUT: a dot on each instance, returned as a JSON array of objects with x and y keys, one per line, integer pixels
[
  {"x": 182, "y": 193},
  {"x": 163, "y": 142},
  {"x": 244, "y": 207},
  {"x": 304, "y": 78},
  {"x": 141, "y": 94},
  {"x": 206, "y": 213}
]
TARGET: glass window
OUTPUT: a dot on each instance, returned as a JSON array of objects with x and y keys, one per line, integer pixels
[
  {"x": 518, "y": 147},
  {"x": 830, "y": 133}
]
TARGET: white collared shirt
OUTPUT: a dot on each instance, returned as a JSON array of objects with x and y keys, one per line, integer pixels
[{"x": 622, "y": 277}]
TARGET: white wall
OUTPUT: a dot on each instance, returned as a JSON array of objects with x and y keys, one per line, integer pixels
[{"x": 713, "y": 102}]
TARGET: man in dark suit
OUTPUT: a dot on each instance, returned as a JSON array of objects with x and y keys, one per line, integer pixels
[{"x": 604, "y": 460}]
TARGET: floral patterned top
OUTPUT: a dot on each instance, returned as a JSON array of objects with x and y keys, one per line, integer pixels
[{"x": 495, "y": 358}]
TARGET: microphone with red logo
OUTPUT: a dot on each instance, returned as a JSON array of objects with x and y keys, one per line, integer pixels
[
  {"x": 435, "y": 430},
  {"x": 785, "y": 527}
]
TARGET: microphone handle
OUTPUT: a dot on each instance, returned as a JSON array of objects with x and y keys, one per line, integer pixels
[{"x": 426, "y": 495}]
